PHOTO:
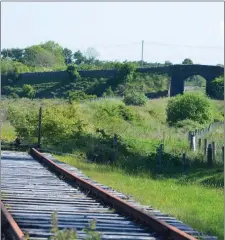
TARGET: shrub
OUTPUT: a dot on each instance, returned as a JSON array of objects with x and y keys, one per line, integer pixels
[
  {"x": 108, "y": 93},
  {"x": 218, "y": 88},
  {"x": 125, "y": 72},
  {"x": 193, "y": 106},
  {"x": 79, "y": 96},
  {"x": 73, "y": 72},
  {"x": 135, "y": 98},
  {"x": 13, "y": 95},
  {"x": 7, "y": 90},
  {"x": 59, "y": 122},
  {"x": 28, "y": 91}
]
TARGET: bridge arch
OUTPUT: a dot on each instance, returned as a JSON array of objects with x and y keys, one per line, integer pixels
[{"x": 181, "y": 72}]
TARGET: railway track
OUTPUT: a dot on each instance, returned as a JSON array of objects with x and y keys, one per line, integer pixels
[{"x": 32, "y": 190}]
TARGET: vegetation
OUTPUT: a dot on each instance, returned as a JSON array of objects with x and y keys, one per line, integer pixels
[
  {"x": 192, "y": 106},
  {"x": 73, "y": 72},
  {"x": 135, "y": 98},
  {"x": 29, "y": 91},
  {"x": 70, "y": 234},
  {"x": 88, "y": 128},
  {"x": 218, "y": 88},
  {"x": 79, "y": 96},
  {"x": 187, "y": 61},
  {"x": 76, "y": 123},
  {"x": 195, "y": 197},
  {"x": 108, "y": 93},
  {"x": 50, "y": 56}
]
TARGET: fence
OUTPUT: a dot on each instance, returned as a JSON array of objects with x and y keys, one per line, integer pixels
[
  {"x": 213, "y": 151},
  {"x": 201, "y": 132}
]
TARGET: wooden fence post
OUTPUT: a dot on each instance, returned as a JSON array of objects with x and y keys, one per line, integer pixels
[
  {"x": 199, "y": 143},
  {"x": 192, "y": 143},
  {"x": 205, "y": 146},
  {"x": 39, "y": 127},
  {"x": 214, "y": 151},
  {"x": 223, "y": 153},
  {"x": 159, "y": 155},
  {"x": 209, "y": 155},
  {"x": 183, "y": 161}
]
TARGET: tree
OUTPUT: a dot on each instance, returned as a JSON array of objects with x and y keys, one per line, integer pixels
[
  {"x": 38, "y": 56},
  {"x": 28, "y": 91},
  {"x": 56, "y": 50},
  {"x": 16, "y": 54},
  {"x": 187, "y": 61},
  {"x": 79, "y": 57},
  {"x": 67, "y": 54},
  {"x": 91, "y": 55},
  {"x": 168, "y": 63}
]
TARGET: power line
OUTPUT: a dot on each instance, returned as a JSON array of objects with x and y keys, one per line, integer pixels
[
  {"x": 186, "y": 46},
  {"x": 156, "y": 43}
]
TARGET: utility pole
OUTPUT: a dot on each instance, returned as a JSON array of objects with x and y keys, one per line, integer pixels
[{"x": 142, "y": 52}]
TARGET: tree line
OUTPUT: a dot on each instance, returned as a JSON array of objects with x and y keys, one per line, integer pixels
[{"x": 51, "y": 56}]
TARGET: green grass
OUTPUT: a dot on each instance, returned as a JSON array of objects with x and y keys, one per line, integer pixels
[
  {"x": 7, "y": 132},
  {"x": 196, "y": 198}
]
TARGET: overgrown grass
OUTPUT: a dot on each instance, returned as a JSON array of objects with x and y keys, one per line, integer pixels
[
  {"x": 197, "y": 198},
  {"x": 7, "y": 132}
]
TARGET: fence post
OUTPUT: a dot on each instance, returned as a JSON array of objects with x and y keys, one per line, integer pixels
[
  {"x": 183, "y": 161},
  {"x": 199, "y": 143},
  {"x": 159, "y": 155},
  {"x": 223, "y": 153},
  {"x": 39, "y": 127},
  {"x": 209, "y": 155},
  {"x": 205, "y": 146},
  {"x": 214, "y": 151},
  {"x": 192, "y": 143}
]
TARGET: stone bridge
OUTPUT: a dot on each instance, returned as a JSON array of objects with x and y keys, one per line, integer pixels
[{"x": 176, "y": 73}]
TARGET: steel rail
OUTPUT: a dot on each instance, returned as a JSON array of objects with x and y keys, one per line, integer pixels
[
  {"x": 10, "y": 225},
  {"x": 160, "y": 227}
]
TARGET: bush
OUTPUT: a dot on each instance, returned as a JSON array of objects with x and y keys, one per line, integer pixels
[
  {"x": 193, "y": 106},
  {"x": 108, "y": 93},
  {"x": 7, "y": 90},
  {"x": 73, "y": 72},
  {"x": 79, "y": 96},
  {"x": 135, "y": 98},
  {"x": 13, "y": 95},
  {"x": 218, "y": 88},
  {"x": 29, "y": 91},
  {"x": 59, "y": 122}
]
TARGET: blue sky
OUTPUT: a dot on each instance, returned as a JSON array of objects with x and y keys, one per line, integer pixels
[{"x": 116, "y": 29}]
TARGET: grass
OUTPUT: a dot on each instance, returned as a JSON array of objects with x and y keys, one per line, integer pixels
[
  {"x": 7, "y": 132},
  {"x": 196, "y": 198}
]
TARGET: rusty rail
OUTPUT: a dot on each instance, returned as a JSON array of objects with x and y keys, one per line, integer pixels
[
  {"x": 162, "y": 228},
  {"x": 9, "y": 224}
]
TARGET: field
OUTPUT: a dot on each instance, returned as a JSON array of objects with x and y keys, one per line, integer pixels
[{"x": 194, "y": 196}]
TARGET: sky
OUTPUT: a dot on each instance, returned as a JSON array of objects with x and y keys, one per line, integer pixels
[{"x": 171, "y": 31}]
